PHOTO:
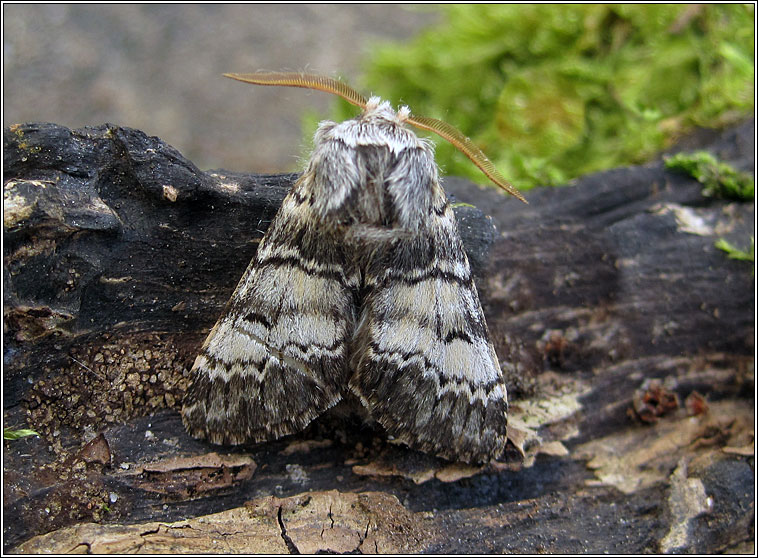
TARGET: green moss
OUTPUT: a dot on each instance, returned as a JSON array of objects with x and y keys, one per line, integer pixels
[
  {"x": 10, "y": 434},
  {"x": 551, "y": 92},
  {"x": 735, "y": 253},
  {"x": 718, "y": 179}
]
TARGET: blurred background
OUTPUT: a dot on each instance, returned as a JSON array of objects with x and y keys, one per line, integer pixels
[
  {"x": 549, "y": 92},
  {"x": 158, "y": 68}
]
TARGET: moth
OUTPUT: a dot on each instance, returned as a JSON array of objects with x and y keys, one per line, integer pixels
[{"x": 360, "y": 289}]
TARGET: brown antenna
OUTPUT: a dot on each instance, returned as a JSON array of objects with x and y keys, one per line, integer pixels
[
  {"x": 442, "y": 129},
  {"x": 467, "y": 147},
  {"x": 308, "y": 81}
]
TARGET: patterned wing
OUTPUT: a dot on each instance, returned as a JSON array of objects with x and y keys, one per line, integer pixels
[
  {"x": 424, "y": 366},
  {"x": 277, "y": 357}
]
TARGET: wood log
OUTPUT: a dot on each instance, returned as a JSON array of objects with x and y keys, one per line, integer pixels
[{"x": 627, "y": 336}]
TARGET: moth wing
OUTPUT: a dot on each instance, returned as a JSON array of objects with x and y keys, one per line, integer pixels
[
  {"x": 424, "y": 366},
  {"x": 277, "y": 357}
]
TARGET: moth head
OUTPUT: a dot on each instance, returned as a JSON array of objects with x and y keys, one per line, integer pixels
[
  {"x": 382, "y": 109},
  {"x": 374, "y": 105}
]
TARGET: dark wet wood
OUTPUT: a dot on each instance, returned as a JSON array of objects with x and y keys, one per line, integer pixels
[{"x": 119, "y": 255}]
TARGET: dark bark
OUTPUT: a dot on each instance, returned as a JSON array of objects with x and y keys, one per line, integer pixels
[{"x": 119, "y": 255}]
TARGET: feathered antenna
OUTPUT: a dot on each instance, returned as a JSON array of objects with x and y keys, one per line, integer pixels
[
  {"x": 308, "y": 81},
  {"x": 467, "y": 147},
  {"x": 442, "y": 129}
]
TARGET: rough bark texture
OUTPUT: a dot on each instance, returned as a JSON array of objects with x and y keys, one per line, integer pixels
[{"x": 632, "y": 403}]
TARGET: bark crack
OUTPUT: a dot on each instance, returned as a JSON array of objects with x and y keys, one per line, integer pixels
[{"x": 287, "y": 541}]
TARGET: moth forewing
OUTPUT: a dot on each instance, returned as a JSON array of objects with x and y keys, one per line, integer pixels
[
  {"x": 273, "y": 362},
  {"x": 360, "y": 287}
]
